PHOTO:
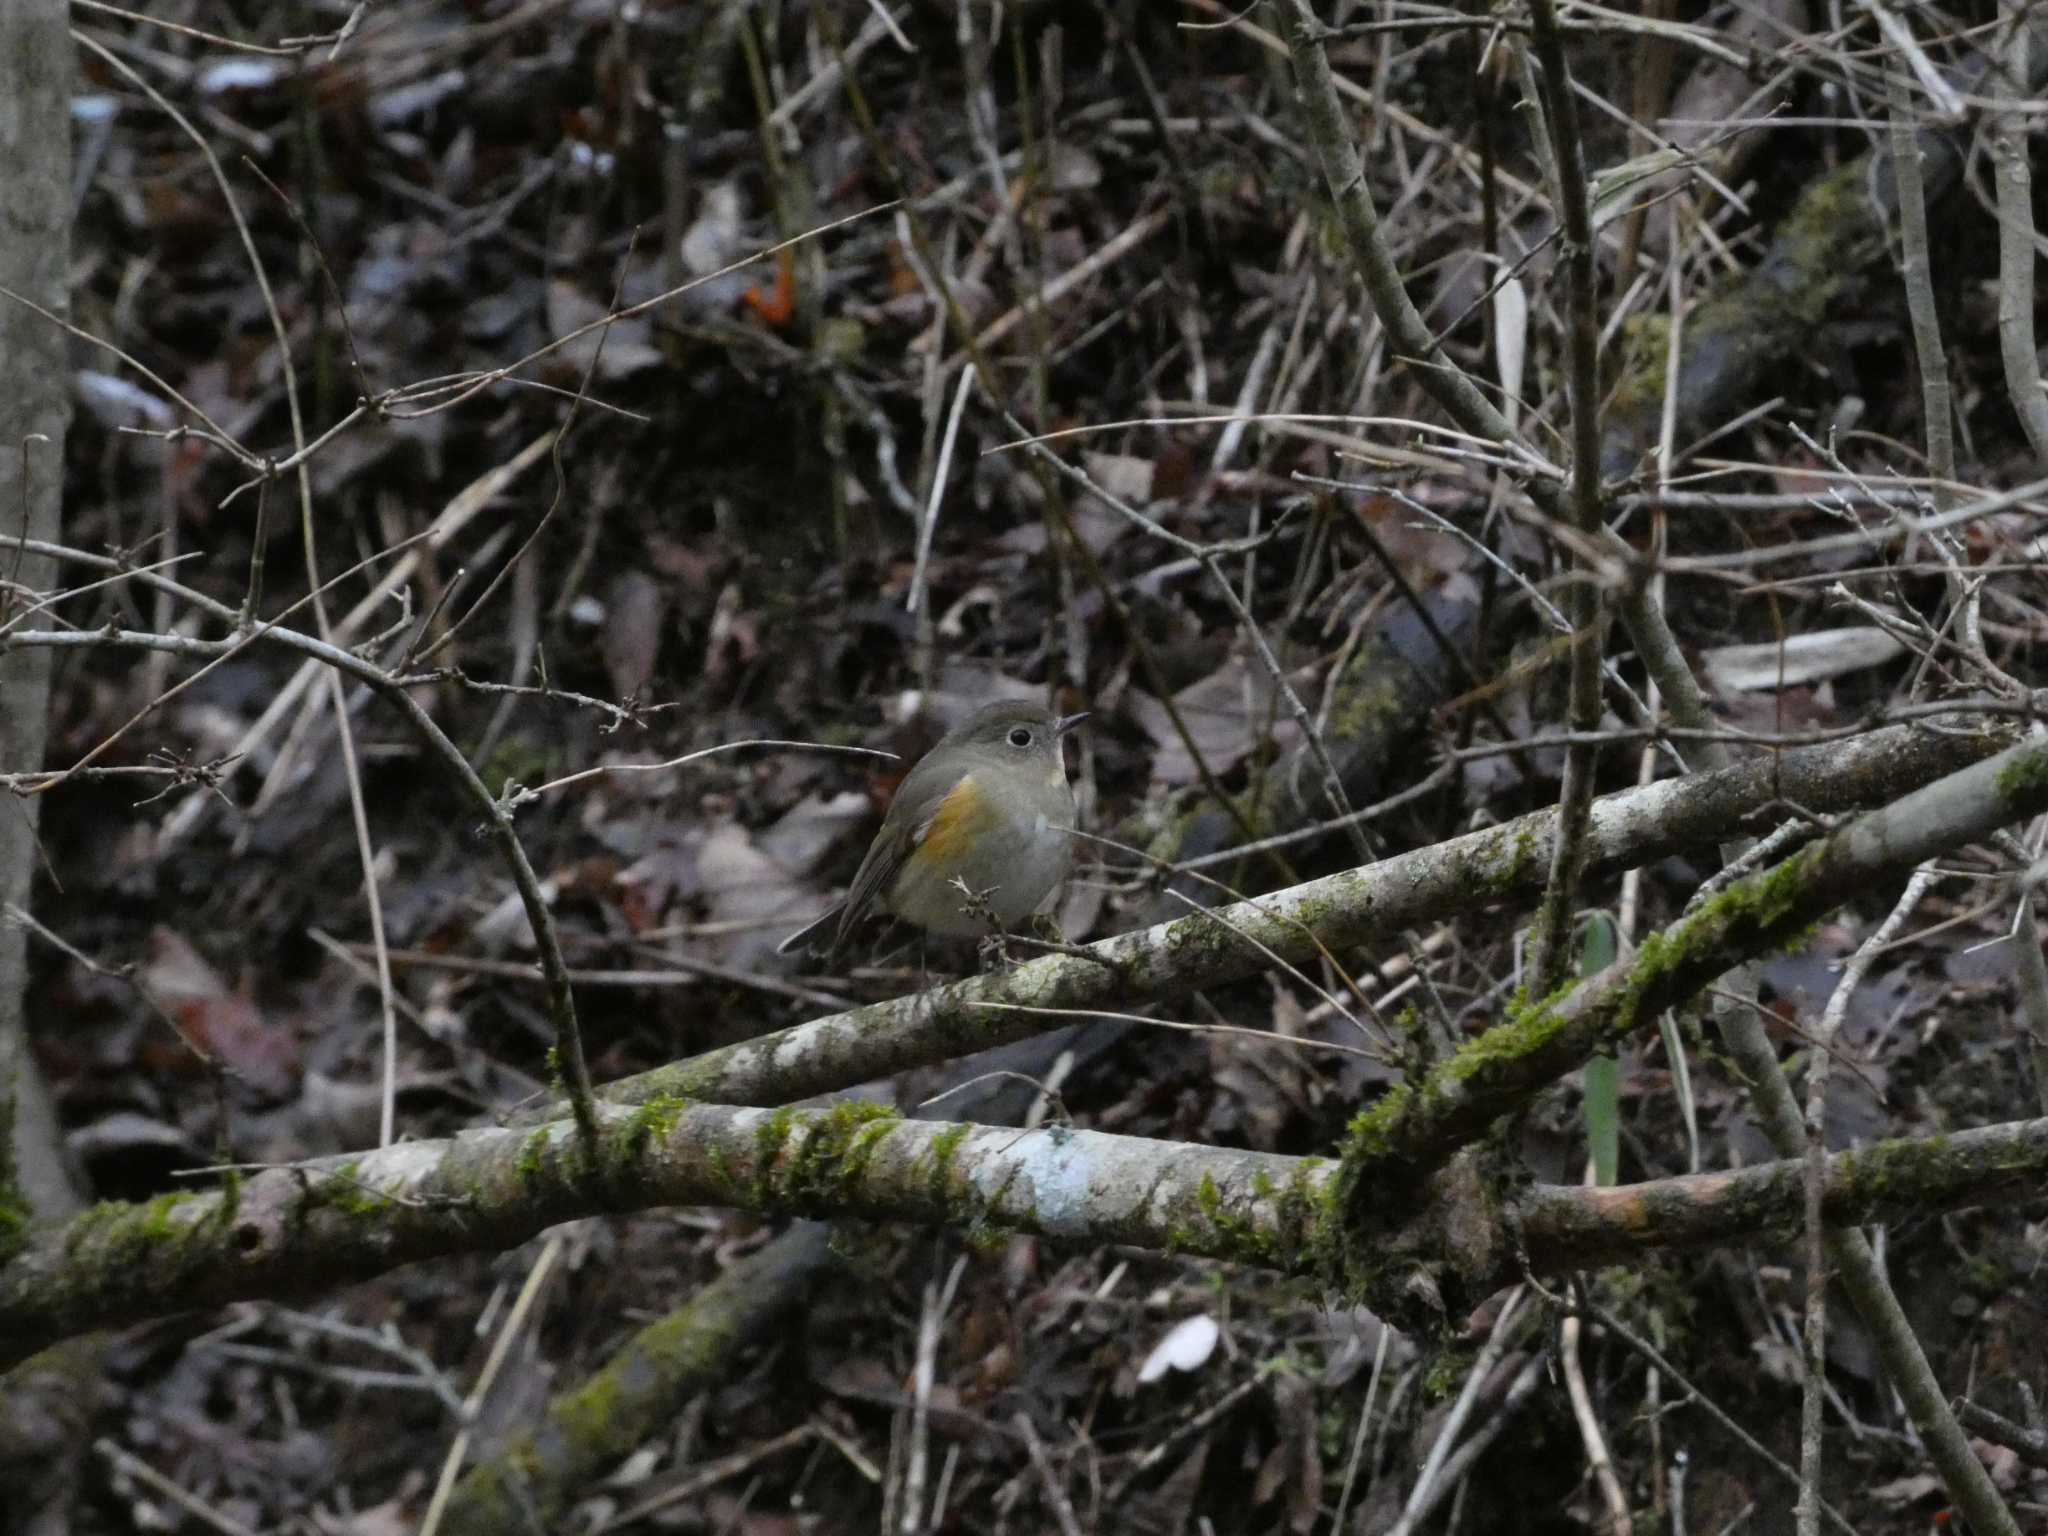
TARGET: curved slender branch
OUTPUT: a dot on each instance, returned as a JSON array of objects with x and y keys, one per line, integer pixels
[
  {"x": 554, "y": 969},
  {"x": 1356, "y": 907},
  {"x": 1416, "y": 1128},
  {"x": 1550, "y": 934}
]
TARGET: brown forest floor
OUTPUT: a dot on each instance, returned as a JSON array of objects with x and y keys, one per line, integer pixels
[{"x": 727, "y": 542}]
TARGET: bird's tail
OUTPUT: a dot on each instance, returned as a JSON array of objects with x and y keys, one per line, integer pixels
[{"x": 823, "y": 929}]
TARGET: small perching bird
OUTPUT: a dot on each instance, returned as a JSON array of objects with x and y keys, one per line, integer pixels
[{"x": 989, "y": 807}]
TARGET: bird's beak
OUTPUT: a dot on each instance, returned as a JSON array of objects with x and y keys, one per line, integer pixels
[{"x": 1066, "y": 723}]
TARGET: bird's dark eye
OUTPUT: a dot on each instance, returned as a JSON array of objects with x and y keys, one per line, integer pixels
[{"x": 1020, "y": 737}]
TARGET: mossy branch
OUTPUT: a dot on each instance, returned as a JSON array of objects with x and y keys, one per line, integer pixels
[
  {"x": 1361, "y": 906},
  {"x": 1416, "y": 1128},
  {"x": 598, "y": 1422},
  {"x": 305, "y": 1229}
]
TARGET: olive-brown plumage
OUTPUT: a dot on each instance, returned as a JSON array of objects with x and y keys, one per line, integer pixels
[{"x": 989, "y": 805}]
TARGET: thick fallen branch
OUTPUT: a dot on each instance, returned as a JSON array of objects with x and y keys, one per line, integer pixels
[
  {"x": 1359, "y": 906},
  {"x": 1395, "y": 1224},
  {"x": 1578, "y": 1226},
  {"x": 531, "y": 1482},
  {"x": 304, "y": 1230}
]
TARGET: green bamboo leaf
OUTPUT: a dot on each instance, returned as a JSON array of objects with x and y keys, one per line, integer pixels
[
  {"x": 1681, "y": 1083},
  {"x": 1603, "y": 1073}
]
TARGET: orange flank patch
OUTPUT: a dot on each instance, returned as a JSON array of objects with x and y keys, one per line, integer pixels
[{"x": 961, "y": 817}]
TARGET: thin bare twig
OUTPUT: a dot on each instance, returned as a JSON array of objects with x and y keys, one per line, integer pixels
[
  {"x": 1550, "y": 932},
  {"x": 1819, "y": 1061},
  {"x": 516, "y": 796},
  {"x": 1721, "y": 1416},
  {"x": 494, "y": 1363},
  {"x": 1430, "y": 1482}
]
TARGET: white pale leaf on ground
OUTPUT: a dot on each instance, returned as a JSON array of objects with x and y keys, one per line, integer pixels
[
  {"x": 1511, "y": 343},
  {"x": 392, "y": 1518},
  {"x": 713, "y": 240},
  {"x": 118, "y": 403},
  {"x": 1125, "y": 476},
  {"x": 177, "y": 974},
  {"x": 1096, "y": 525},
  {"x": 126, "y": 1131},
  {"x": 1907, "y": 1490},
  {"x": 1080, "y": 905},
  {"x": 506, "y": 924},
  {"x": 1807, "y": 658},
  {"x": 1074, "y": 169},
  {"x": 636, "y": 1468},
  {"x": 1187, "y": 1346},
  {"x": 407, "y": 103},
  {"x": 984, "y": 596},
  {"x": 238, "y": 74},
  {"x": 963, "y": 688}
]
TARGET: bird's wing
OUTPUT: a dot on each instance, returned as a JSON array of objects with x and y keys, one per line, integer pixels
[
  {"x": 876, "y": 874},
  {"x": 959, "y": 815},
  {"x": 811, "y": 931}
]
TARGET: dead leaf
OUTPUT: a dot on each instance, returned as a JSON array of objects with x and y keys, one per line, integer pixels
[
  {"x": 1425, "y": 556},
  {"x": 1272, "y": 1473},
  {"x": 775, "y": 303},
  {"x": 812, "y": 828},
  {"x": 1227, "y": 713},
  {"x": 1268, "y": 1083},
  {"x": 713, "y": 239},
  {"x": 506, "y": 923},
  {"x": 983, "y": 594},
  {"x": 1907, "y": 1490},
  {"x": 126, "y": 1132},
  {"x": 635, "y": 607},
  {"x": 626, "y": 344},
  {"x": 1295, "y": 1408},
  {"x": 1510, "y": 345},
  {"x": 390, "y": 1518},
  {"x": 2001, "y": 1461},
  {"x": 1123, "y": 475},
  {"x": 688, "y": 564},
  {"x": 729, "y": 1512},
  {"x": 748, "y": 889},
  {"x": 664, "y": 874},
  {"x": 1800, "y": 659},
  {"x": 1171, "y": 1506},
  {"x": 222, "y": 1022},
  {"x": 1074, "y": 169},
  {"x": 239, "y": 72},
  {"x": 118, "y": 403},
  {"x": 734, "y": 638},
  {"x": 862, "y": 1378},
  {"x": 1186, "y": 1346}
]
